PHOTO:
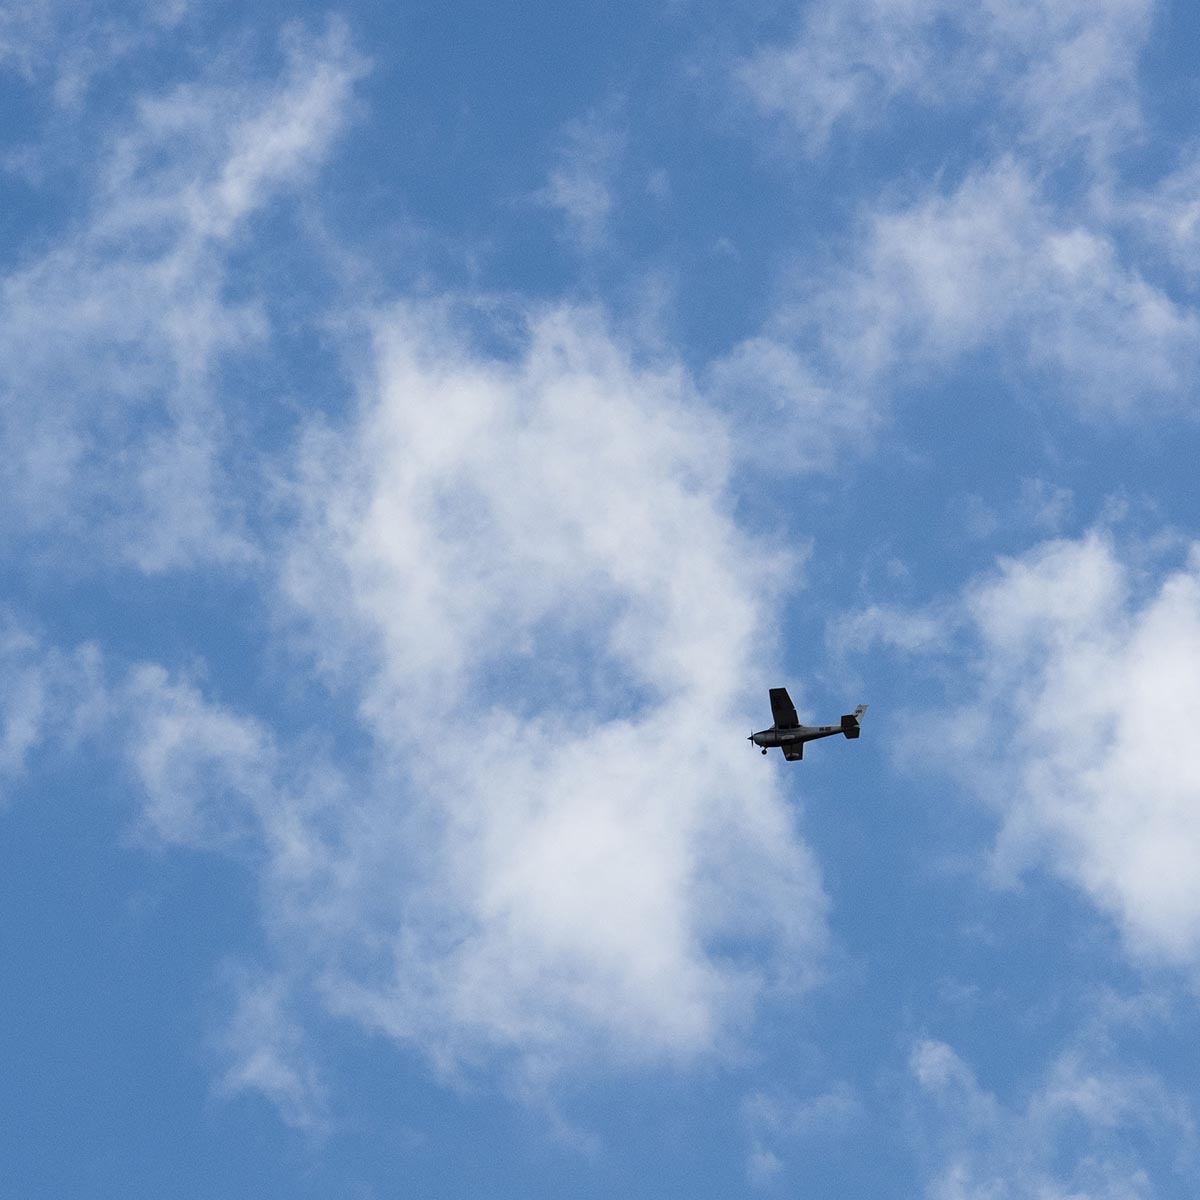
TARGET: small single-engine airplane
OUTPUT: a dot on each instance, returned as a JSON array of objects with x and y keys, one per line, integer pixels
[{"x": 789, "y": 735}]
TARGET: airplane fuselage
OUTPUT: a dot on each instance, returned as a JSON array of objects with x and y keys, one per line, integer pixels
[{"x": 789, "y": 737}]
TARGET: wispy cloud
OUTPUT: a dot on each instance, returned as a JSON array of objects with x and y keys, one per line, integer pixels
[
  {"x": 1166, "y": 215},
  {"x": 786, "y": 412},
  {"x": 203, "y": 773},
  {"x": 1064, "y": 72},
  {"x": 50, "y": 698},
  {"x": 581, "y": 183},
  {"x": 1021, "y": 248},
  {"x": 994, "y": 264},
  {"x": 197, "y": 776},
  {"x": 56, "y": 40},
  {"x": 111, "y": 434},
  {"x": 264, "y": 1052},
  {"x": 1090, "y": 1128},
  {"x": 777, "y": 1122}
]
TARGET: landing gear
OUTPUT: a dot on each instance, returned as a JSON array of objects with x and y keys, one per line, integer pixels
[{"x": 764, "y": 749}]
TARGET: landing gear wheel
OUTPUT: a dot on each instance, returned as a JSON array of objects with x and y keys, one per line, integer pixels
[{"x": 764, "y": 751}]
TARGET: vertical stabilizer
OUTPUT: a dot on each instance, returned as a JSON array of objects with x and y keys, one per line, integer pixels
[{"x": 850, "y": 722}]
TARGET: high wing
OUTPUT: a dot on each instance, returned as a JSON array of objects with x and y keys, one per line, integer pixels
[
  {"x": 783, "y": 710},
  {"x": 794, "y": 751}
]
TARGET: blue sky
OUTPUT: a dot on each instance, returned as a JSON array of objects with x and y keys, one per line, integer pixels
[{"x": 426, "y": 433}]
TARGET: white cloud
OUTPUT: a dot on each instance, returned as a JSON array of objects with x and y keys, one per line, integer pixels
[
  {"x": 111, "y": 434},
  {"x": 890, "y": 625},
  {"x": 519, "y": 574},
  {"x": 524, "y": 569},
  {"x": 520, "y": 577},
  {"x": 993, "y": 264},
  {"x": 50, "y": 697},
  {"x": 580, "y": 186},
  {"x": 203, "y": 776},
  {"x": 1166, "y": 215},
  {"x": 1064, "y": 69},
  {"x": 784, "y": 413},
  {"x": 847, "y": 63},
  {"x": 1076, "y": 724},
  {"x": 1080, "y": 1132},
  {"x": 264, "y": 1051},
  {"x": 200, "y": 776},
  {"x": 776, "y": 1122},
  {"x": 1021, "y": 256},
  {"x": 1044, "y": 504},
  {"x": 203, "y": 773},
  {"x": 57, "y": 40}
]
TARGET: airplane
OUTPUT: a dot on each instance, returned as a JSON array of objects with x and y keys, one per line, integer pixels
[{"x": 789, "y": 735}]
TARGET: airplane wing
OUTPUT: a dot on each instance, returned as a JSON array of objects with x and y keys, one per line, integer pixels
[
  {"x": 794, "y": 751},
  {"x": 783, "y": 710}
]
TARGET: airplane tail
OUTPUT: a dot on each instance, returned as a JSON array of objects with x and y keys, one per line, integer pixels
[{"x": 850, "y": 722}]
